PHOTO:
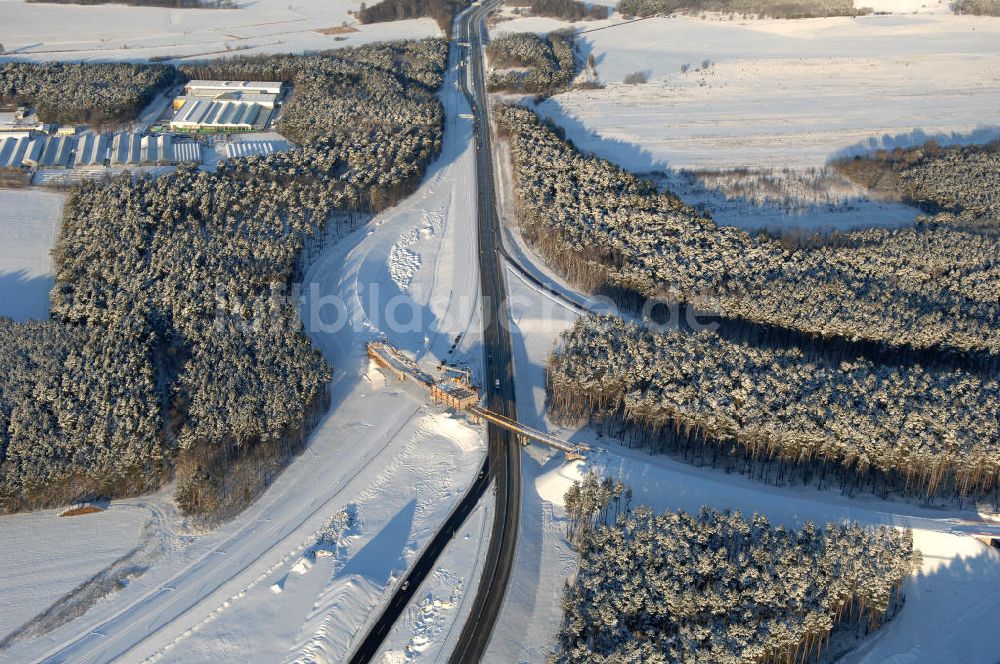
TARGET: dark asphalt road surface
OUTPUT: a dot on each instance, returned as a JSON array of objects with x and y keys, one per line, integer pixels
[{"x": 502, "y": 467}]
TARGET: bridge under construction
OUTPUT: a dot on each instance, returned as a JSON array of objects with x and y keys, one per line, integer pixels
[{"x": 459, "y": 394}]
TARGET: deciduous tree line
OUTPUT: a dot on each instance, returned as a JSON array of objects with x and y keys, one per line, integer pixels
[
  {"x": 977, "y": 7},
  {"x": 675, "y": 587},
  {"x": 568, "y": 10},
  {"x": 179, "y": 285},
  {"x": 762, "y": 8},
  {"x": 442, "y": 11},
  {"x": 931, "y": 289},
  {"x": 960, "y": 184}
]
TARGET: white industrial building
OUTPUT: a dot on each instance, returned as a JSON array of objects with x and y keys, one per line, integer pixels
[
  {"x": 126, "y": 149},
  {"x": 96, "y": 150},
  {"x": 12, "y": 151},
  {"x": 92, "y": 151},
  {"x": 210, "y": 106},
  {"x": 33, "y": 155},
  {"x": 40, "y": 152},
  {"x": 208, "y": 115},
  {"x": 135, "y": 149},
  {"x": 187, "y": 152},
  {"x": 214, "y": 88},
  {"x": 254, "y": 148},
  {"x": 57, "y": 152}
]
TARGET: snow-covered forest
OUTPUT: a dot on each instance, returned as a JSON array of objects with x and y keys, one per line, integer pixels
[
  {"x": 770, "y": 8},
  {"x": 961, "y": 184},
  {"x": 442, "y": 11},
  {"x": 176, "y": 345},
  {"x": 76, "y": 400},
  {"x": 926, "y": 292},
  {"x": 542, "y": 65},
  {"x": 977, "y": 7},
  {"x": 86, "y": 93},
  {"x": 567, "y": 10},
  {"x": 716, "y": 587},
  {"x": 780, "y": 415}
]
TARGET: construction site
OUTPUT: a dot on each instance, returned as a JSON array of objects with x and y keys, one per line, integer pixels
[{"x": 457, "y": 391}]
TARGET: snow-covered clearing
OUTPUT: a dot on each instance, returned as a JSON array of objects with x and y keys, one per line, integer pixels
[
  {"x": 117, "y": 32},
  {"x": 781, "y": 93},
  {"x": 29, "y": 221},
  {"x": 817, "y": 199},
  {"x": 312, "y": 604},
  {"x": 747, "y": 136},
  {"x": 431, "y": 625},
  {"x": 949, "y": 603},
  {"x": 45, "y": 556},
  {"x": 401, "y": 463}
]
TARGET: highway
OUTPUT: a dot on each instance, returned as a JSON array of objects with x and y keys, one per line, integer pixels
[
  {"x": 505, "y": 452},
  {"x": 502, "y": 468}
]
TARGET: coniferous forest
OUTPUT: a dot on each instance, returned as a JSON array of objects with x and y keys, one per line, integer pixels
[
  {"x": 532, "y": 64},
  {"x": 960, "y": 184},
  {"x": 175, "y": 348},
  {"x": 72, "y": 93},
  {"x": 925, "y": 293},
  {"x": 776, "y": 414},
  {"x": 716, "y": 587}
]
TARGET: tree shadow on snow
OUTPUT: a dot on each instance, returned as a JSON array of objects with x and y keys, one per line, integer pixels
[
  {"x": 384, "y": 552},
  {"x": 627, "y": 155},
  {"x": 916, "y": 138},
  {"x": 24, "y": 298}
]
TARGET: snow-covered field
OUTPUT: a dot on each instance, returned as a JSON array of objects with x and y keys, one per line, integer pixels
[
  {"x": 779, "y": 98},
  {"x": 311, "y": 604},
  {"x": 780, "y": 93},
  {"x": 117, "y": 32},
  {"x": 45, "y": 556},
  {"x": 29, "y": 221}
]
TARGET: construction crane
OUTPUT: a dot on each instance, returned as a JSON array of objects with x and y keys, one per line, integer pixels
[
  {"x": 459, "y": 394},
  {"x": 465, "y": 372}
]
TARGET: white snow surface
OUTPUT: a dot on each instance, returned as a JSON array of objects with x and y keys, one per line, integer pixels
[
  {"x": 780, "y": 93},
  {"x": 46, "y": 556},
  {"x": 814, "y": 199},
  {"x": 29, "y": 222},
  {"x": 258, "y": 586},
  {"x": 38, "y": 31},
  {"x": 432, "y": 623},
  {"x": 309, "y": 607}
]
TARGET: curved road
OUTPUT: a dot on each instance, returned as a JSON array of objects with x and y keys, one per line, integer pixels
[
  {"x": 503, "y": 462},
  {"x": 505, "y": 451}
]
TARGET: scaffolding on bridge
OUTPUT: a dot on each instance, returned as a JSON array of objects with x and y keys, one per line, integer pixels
[{"x": 461, "y": 395}]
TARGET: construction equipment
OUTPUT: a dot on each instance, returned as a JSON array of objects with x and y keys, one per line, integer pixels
[{"x": 459, "y": 394}]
